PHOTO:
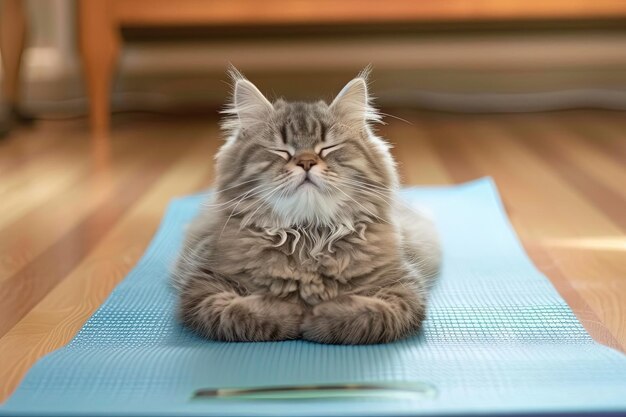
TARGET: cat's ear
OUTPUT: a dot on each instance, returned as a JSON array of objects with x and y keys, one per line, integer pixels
[
  {"x": 352, "y": 104},
  {"x": 248, "y": 105}
]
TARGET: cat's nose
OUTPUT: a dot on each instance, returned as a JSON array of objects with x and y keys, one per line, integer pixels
[{"x": 306, "y": 160}]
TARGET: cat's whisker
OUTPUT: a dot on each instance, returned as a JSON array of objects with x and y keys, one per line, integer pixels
[
  {"x": 244, "y": 197},
  {"x": 238, "y": 199},
  {"x": 386, "y": 192},
  {"x": 280, "y": 177},
  {"x": 395, "y": 117},
  {"x": 390, "y": 198},
  {"x": 233, "y": 210},
  {"x": 221, "y": 190},
  {"x": 368, "y": 184},
  {"x": 385, "y": 196},
  {"x": 263, "y": 202},
  {"x": 372, "y": 182},
  {"x": 359, "y": 204}
]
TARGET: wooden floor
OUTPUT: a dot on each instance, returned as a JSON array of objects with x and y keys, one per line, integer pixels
[{"x": 77, "y": 212}]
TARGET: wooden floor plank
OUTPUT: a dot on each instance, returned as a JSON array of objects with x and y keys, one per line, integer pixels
[
  {"x": 606, "y": 128},
  {"x": 540, "y": 139},
  {"x": 27, "y": 237},
  {"x": 417, "y": 160},
  {"x": 54, "y": 321},
  {"x": 26, "y": 145},
  {"x": 27, "y": 188},
  {"x": 21, "y": 291},
  {"x": 583, "y": 152},
  {"x": 443, "y": 133}
]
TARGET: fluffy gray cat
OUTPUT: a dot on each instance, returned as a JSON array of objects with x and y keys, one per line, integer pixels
[{"x": 305, "y": 236}]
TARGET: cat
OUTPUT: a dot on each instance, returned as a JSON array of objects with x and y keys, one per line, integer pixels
[{"x": 305, "y": 235}]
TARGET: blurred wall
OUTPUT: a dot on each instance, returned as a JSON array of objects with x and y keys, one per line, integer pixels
[{"x": 449, "y": 67}]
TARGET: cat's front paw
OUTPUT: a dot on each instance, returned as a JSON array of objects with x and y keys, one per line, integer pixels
[
  {"x": 259, "y": 318},
  {"x": 351, "y": 320}
]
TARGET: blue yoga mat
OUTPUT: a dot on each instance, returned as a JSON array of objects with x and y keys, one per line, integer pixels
[{"x": 498, "y": 339}]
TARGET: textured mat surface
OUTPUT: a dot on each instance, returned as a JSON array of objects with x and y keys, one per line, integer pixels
[{"x": 498, "y": 338}]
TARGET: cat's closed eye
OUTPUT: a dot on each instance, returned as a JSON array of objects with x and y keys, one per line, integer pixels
[
  {"x": 286, "y": 155},
  {"x": 283, "y": 153},
  {"x": 328, "y": 149}
]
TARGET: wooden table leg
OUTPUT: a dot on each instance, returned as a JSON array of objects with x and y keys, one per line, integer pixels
[
  {"x": 12, "y": 39},
  {"x": 99, "y": 45}
]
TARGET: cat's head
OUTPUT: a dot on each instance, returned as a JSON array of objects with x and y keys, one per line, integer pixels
[{"x": 302, "y": 163}]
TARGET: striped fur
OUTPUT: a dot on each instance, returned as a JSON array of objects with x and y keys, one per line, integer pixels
[{"x": 321, "y": 250}]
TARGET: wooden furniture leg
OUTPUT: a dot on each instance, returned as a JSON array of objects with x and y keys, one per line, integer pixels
[
  {"x": 12, "y": 39},
  {"x": 99, "y": 45}
]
